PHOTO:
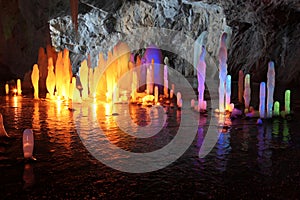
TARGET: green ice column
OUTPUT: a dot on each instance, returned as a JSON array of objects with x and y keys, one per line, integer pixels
[
  {"x": 287, "y": 102},
  {"x": 276, "y": 109}
]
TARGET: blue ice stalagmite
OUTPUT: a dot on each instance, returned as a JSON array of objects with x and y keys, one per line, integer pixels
[
  {"x": 201, "y": 72},
  {"x": 28, "y": 143},
  {"x": 222, "y": 71},
  {"x": 3, "y": 132},
  {"x": 228, "y": 93},
  {"x": 262, "y": 100},
  {"x": 154, "y": 53},
  {"x": 270, "y": 88}
]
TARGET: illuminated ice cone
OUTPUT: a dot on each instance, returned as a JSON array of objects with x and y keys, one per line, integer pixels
[
  {"x": 83, "y": 73},
  {"x": 270, "y": 88},
  {"x": 155, "y": 94},
  {"x": 91, "y": 83},
  {"x": 228, "y": 92},
  {"x": 6, "y": 89},
  {"x": 247, "y": 92},
  {"x": 59, "y": 73},
  {"x": 35, "y": 80},
  {"x": 166, "y": 82},
  {"x": 201, "y": 73},
  {"x": 287, "y": 102},
  {"x": 178, "y": 98},
  {"x": 3, "y": 133},
  {"x": 262, "y": 100},
  {"x": 241, "y": 86},
  {"x": 67, "y": 74},
  {"x": 28, "y": 143},
  {"x": 276, "y": 112},
  {"x": 50, "y": 81},
  {"x": 19, "y": 89},
  {"x": 222, "y": 71}
]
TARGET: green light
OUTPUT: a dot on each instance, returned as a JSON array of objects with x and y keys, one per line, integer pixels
[
  {"x": 287, "y": 101},
  {"x": 276, "y": 109}
]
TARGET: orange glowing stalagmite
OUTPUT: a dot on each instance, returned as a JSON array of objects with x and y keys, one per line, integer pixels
[
  {"x": 91, "y": 83},
  {"x": 19, "y": 90},
  {"x": 35, "y": 80},
  {"x": 67, "y": 72},
  {"x": 99, "y": 76},
  {"x": 50, "y": 81},
  {"x": 83, "y": 72},
  {"x": 59, "y": 74},
  {"x": 110, "y": 77}
]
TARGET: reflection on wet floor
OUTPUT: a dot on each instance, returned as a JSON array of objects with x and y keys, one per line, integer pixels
[{"x": 242, "y": 146}]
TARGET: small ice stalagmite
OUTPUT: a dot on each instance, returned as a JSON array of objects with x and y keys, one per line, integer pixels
[
  {"x": 179, "y": 100},
  {"x": 201, "y": 73},
  {"x": 35, "y": 80},
  {"x": 276, "y": 109},
  {"x": 241, "y": 86},
  {"x": 166, "y": 82},
  {"x": 262, "y": 100},
  {"x": 3, "y": 132},
  {"x": 50, "y": 80},
  {"x": 247, "y": 92},
  {"x": 228, "y": 93},
  {"x": 270, "y": 88},
  {"x": 6, "y": 89},
  {"x": 28, "y": 143},
  {"x": 287, "y": 102},
  {"x": 19, "y": 89}
]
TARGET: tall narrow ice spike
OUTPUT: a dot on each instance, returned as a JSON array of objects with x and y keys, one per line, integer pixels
[
  {"x": 228, "y": 92},
  {"x": 19, "y": 90},
  {"x": 247, "y": 91},
  {"x": 6, "y": 89},
  {"x": 201, "y": 73},
  {"x": 222, "y": 71},
  {"x": 262, "y": 100},
  {"x": 287, "y": 102},
  {"x": 35, "y": 80},
  {"x": 270, "y": 88}
]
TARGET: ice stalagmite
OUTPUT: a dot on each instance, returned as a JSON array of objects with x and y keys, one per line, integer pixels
[
  {"x": 222, "y": 71},
  {"x": 247, "y": 92},
  {"x": 35, "y": 80},
  {"x": 262, "y": 100},
  {"x": 228, "y": 92},
  {"x": 28, "y": 143},
  {"x": 270, "y": 88},
  {"x": 201, "y": 72}
]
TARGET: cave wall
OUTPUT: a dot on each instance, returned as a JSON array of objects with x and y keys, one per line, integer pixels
[{"x": 261, "y": 30}]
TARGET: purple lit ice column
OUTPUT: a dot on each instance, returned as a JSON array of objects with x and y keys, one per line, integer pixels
[
  {"x": 28, "y": 143},
  {"x": 154, "y": 53},
  {"x": 247, "y": 91},
  {"x": 270, "y": 88},
  {"x": 166, "y": 82},
  {"x": 241, "y": 86},
  {"x": 262, "y": 100},
  {"x": 201, "y": 71},
  {"x": 222, "y": 71},
  {"x": 228, "y": 92}
]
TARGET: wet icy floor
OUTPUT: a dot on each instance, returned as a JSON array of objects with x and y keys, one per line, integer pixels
[{"x": 247, "y": 162}]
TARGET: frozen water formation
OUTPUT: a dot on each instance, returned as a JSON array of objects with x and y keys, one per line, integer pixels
[{"x": 28, "y": 143}]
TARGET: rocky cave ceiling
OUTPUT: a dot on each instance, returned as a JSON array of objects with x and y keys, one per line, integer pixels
[{"x": 261, "y": 31}]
